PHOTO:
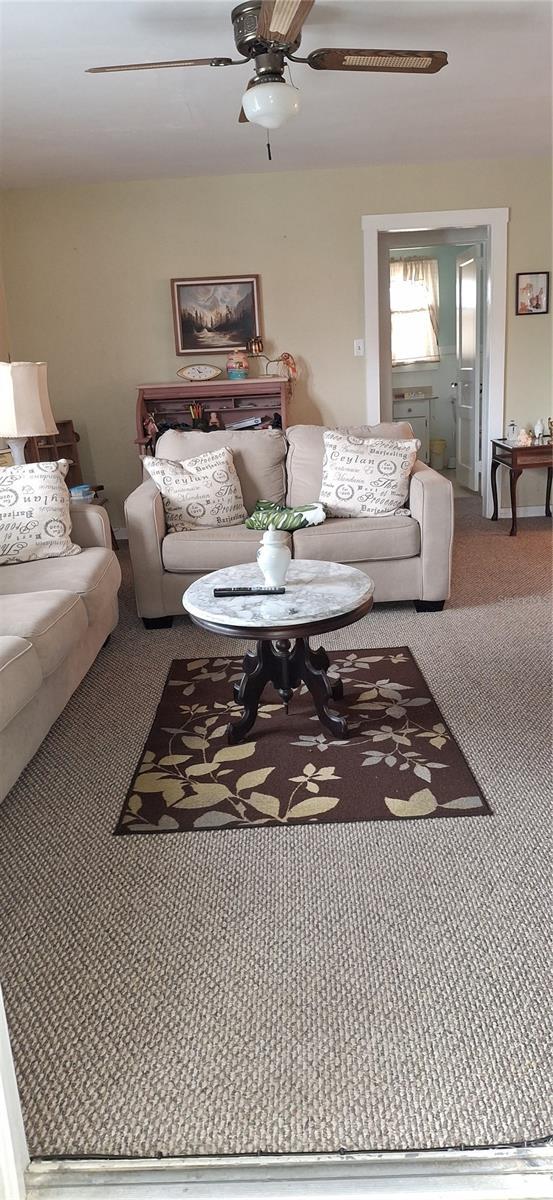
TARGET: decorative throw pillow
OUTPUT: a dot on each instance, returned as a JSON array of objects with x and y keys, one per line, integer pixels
[
  {"x": 366, "y": 477},
  {"x": 201, "y": 491},
  {"x": 34, "y": 512}
]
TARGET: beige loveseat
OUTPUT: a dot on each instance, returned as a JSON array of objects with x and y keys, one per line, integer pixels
[
  {"x": 407, "y": 555},
  {"x": 55, "y": 615}
]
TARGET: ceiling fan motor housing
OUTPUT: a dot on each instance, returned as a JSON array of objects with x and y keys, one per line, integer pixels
[
  {"x": 269, "y": 66},
  {"x": 245, "y": 19}
]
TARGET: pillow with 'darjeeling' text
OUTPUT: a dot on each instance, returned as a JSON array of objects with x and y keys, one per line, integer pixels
[
  {"x": 200, "y": 491},
  {"x": 366, "y": 477},
  {"x": 34, "y": 512}
]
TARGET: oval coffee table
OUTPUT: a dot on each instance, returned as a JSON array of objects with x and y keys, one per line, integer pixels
[{"x": 319, "y": 597}]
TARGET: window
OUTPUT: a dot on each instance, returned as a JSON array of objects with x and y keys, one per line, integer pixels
[{"x": 414, "y": 300}]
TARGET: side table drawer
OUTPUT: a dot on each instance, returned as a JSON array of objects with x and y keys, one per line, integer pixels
[{"x": 541, "y": 458}]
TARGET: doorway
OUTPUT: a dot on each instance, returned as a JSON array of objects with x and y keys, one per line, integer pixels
[
  {"x": 437, "y": 347},
  {"x": 479, "y": 238}
]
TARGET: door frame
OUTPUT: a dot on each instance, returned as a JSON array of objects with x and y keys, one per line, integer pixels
[
  {"x": 377, "y": 379},
  {"x": 14, "y": 1154},
  {"x": 476, "y": 255}
]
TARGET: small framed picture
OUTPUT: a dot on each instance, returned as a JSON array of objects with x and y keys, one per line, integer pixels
[
  {"x": 217, "y": 314},
  {"x": 532, "y": 293}
]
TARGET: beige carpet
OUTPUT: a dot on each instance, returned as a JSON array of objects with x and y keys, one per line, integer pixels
[{"x": 360, "y": 986}]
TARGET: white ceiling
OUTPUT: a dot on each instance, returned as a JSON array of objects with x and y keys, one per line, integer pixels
[{"x": 493, "y": 100}]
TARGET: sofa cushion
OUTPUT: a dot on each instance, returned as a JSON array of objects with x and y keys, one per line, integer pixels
[
  {"x": 366, "y": 477},
  {"x": 52, "y": 621},
  {"x": 304, "y": 464},
  {"x": 202, "y": 550},
  {"x": 20, "y": 676},
  {"x": 359, "y": 539},
  {"x": 259, "y": 457},
  {"x": 202, "y": 491},
  {"x": 34, "y": 512},
  {"x": 93, "y": 574}
]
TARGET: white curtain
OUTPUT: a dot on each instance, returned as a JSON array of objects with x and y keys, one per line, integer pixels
[{"x": 414, "y": 304}]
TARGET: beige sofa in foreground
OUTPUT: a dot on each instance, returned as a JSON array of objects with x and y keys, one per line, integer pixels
[
  {"x": 55, "y": 615},
  {"x": 407, "y": 556}
]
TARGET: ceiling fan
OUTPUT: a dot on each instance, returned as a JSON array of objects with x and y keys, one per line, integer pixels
[{"x": 268, "y": 33}]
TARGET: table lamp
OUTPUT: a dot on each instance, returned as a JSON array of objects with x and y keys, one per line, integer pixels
[{"x": 24, "y": 405}]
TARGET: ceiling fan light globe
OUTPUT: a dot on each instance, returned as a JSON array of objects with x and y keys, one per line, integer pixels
[{"x": 270, "y": 104}]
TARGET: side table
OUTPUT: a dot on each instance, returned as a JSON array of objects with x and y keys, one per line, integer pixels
[
  {"x": 319, "y": 597},
  {"x": 518, "y": 459}
]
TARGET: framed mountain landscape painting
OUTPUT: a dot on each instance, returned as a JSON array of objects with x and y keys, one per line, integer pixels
[{"x": 216, "y": 314}]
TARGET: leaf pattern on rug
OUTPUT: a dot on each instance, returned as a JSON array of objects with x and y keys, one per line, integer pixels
[
  {"x": 188, "y": 787},
  {"x": 190, "y": 778}
]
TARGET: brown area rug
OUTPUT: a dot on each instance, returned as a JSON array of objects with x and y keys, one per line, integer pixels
[{"x": 402, "y": 761}]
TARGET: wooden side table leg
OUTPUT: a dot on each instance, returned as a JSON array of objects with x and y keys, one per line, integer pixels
[
  {"x": 548, "y": 492},
  {"x": 314, "y": 676},
  {"x": 320, "y": 659},
  {"x": 494, "y": 489},
  {"x": 514, "y": 480},
  {"x": 258, "y": 672}
]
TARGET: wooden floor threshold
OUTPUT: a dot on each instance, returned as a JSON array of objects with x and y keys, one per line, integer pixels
[{"x": 510, "y": 1174}]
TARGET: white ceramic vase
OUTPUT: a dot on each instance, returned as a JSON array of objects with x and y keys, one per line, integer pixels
[{"x": 274, "y": 557}]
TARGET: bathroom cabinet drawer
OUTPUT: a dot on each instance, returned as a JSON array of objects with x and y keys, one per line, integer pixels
[
  {"x": 417, "y": 412},
  {"x": 404, "y": 409}
]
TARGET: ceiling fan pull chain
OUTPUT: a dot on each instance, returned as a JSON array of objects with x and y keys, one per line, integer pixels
[{"x": 269, "y": 155}]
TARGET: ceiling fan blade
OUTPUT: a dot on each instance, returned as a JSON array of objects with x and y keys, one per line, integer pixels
[
  {"x": 282, "y": 20},
  {"x": 400, "y": 62},
  {"x": 242, "y": 119},
  {"x": 177, "y": 62},
  {"x": 264, "y": 19}
]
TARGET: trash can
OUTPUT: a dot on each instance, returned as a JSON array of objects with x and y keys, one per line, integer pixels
[{"x": 437, "y": 453}]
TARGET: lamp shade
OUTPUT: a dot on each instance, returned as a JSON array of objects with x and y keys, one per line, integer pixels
[
  {"x": 24, "y": 402},
  {"x": 270, "y": 104}
]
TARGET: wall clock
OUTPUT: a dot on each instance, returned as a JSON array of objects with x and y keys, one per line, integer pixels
[{"x": 199, "y": 373}]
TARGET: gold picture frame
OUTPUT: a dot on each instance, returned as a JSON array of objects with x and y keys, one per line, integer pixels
[{"x": 215, "y": 314}]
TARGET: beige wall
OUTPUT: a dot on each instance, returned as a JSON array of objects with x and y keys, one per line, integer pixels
[
  {"x": 87, "y": 271},
  {"x": 4, "y": 332}
]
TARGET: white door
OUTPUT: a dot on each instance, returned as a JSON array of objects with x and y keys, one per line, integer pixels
[{"x": 469, "y": 366}]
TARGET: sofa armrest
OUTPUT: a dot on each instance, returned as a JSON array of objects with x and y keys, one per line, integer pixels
[
  {"x": 89, "y": 525},
  {"x": 431, "y": 504},
  {"x": 146, "y": 530}
]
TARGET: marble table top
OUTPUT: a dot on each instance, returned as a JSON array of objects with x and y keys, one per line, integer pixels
[{"x": 314, "y": 592}]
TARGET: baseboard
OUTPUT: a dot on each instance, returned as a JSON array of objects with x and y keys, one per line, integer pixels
[
  {"x": 514, "y": 1173},
  {"x": 121, "y": 534},
  {"x": 530, "y": 510}
]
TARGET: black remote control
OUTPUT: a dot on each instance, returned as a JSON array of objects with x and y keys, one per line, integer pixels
[{"x": 249, "y": 591}]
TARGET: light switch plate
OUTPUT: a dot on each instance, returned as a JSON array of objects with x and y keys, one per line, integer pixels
[{"x": 358, "y": 347}]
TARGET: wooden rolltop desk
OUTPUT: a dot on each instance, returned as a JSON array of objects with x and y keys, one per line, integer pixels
[{"x": 244, "y": 403}]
